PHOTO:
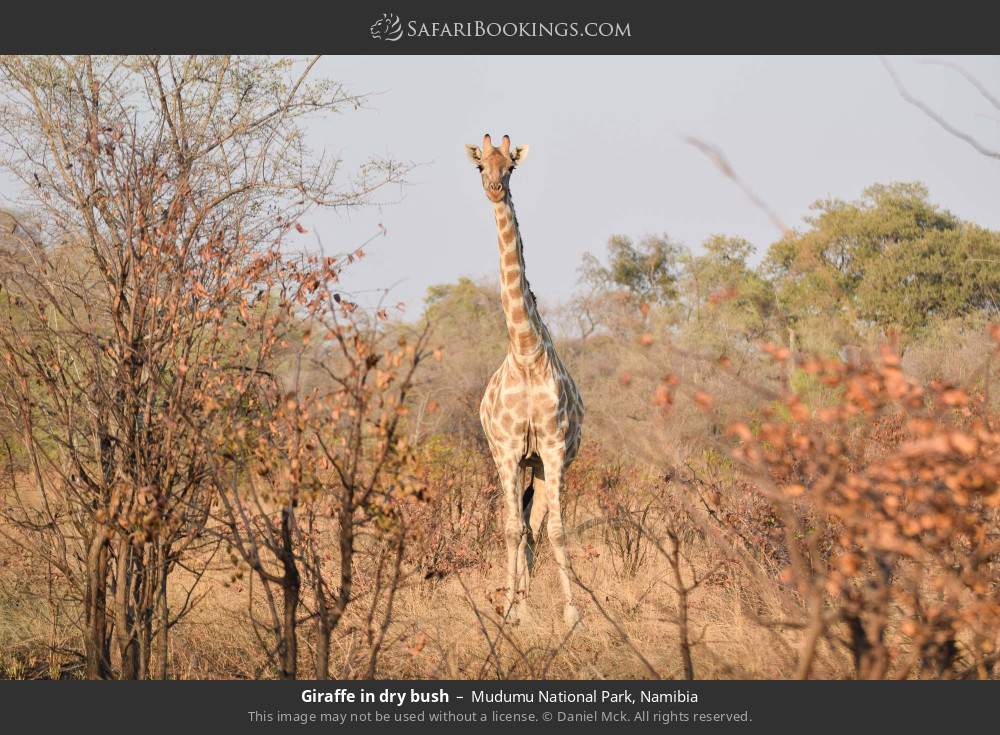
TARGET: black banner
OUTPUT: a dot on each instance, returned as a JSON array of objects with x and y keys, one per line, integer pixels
[
  {"x": 518, "y": 27},
  {"x": 552, "y": 706}
]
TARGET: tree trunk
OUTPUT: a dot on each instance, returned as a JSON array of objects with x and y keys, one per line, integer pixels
[
  {"x": 290, "y": 588},
  {"x": 163, "y": 634},
  {"x": 323, "y": 632},
  {"x": 683, "y": 627},
  {"x": 145, "y": 607},
  {"x": 125, "y": 624},
  {"x": 95, "y": 637}
]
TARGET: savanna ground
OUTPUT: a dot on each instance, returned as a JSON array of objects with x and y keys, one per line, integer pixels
[{"x": 217, "y": 465}]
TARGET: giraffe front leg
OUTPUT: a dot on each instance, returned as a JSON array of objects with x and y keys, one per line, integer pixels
[
  {"x": 554, "y": 469},
  {"x": 515, "y": 537}
]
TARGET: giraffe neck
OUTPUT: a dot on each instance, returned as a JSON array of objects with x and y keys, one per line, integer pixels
[{"x": 525, "y": 330}]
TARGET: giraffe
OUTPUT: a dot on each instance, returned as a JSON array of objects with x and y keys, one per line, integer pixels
[{"x": 532, "y": 412}]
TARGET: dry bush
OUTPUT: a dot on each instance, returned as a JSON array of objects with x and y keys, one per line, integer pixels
[
  {"x": 858, "y": 517},
  {"x": 458, "y": 525},
  {"x": 624, "y": 499},
  {"x": 619, "y": 376},
  {"x": 312, "y": 483},
  {"x": 158, "y": 191},
  {"x": 702, "y": 568},
  {"x": 954, "y": 351},
  {"x": 888, "y": 498}
]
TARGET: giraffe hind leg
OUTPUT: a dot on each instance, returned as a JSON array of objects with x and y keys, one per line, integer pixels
[
  {"x": 555, "y": 465},
  {"x": 534, "y": 504}
]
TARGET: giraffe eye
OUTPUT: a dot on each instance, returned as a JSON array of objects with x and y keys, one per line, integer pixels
[{"x": 479, "y": 167}]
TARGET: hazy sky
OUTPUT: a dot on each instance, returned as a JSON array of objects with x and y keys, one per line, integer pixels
[{"x": 607, "y": 155}]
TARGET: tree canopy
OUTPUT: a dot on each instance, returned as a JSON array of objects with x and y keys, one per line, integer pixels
[
  {"x": 649, "y": 269},
  {"x": 891, "y": 259}
]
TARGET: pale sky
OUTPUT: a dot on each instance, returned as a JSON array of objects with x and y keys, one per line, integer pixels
[{"x": 607, "y": 155}]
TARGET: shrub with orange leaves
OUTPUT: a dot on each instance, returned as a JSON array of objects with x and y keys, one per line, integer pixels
[{"x": 889, "y": 497}]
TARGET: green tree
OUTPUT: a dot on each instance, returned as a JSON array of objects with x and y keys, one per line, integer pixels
[
  {"x": 468, "y": 326},
  {"x": 457, "y": 306},
  {"x": 942, "y": 275},
  {"x": 723, "y": 287},
  {"x": 648, "y": 270},
  {"x": 891, "y": 259}
]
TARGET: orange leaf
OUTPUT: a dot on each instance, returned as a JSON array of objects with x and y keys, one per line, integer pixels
[
  {"x": 662, "y": 396},
  {"x": 963, "y": 443},
  {"x": 740, "y": 430}
]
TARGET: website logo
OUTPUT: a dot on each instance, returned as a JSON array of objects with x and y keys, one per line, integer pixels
[{"x": 387, "y": 28}]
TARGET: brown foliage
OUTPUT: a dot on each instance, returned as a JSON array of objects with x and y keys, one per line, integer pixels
[{"x": 889, "y": 500}]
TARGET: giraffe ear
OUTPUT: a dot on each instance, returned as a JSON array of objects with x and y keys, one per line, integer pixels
[
  {"x": 519, "y": 155},
  {"x": 475, "y": 155}
]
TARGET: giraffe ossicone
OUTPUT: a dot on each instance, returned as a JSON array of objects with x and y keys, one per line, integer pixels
[{"x": 532, "y": 412}]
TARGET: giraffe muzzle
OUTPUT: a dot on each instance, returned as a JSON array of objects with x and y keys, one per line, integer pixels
[{"x": 495, "y": 192}]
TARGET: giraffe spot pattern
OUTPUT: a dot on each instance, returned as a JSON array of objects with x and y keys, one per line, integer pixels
[{"x": 531, "y": 402}]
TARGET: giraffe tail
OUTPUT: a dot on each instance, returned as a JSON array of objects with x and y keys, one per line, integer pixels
[
  {"x": 532, "y": 467},
  {"x": 527, "y": 502},
  {"x": 532, "y": 470},
  {"x": 528, "y": 496}
]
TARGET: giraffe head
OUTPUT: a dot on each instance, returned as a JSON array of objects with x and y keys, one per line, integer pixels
[{"x": 496, "y": 165}]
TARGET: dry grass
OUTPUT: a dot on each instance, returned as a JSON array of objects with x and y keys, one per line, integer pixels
[{"x": 451, "y": 625}]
